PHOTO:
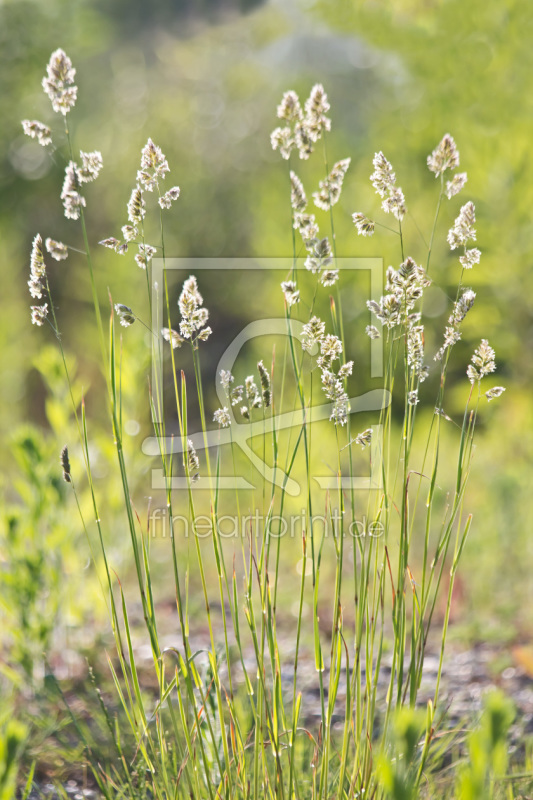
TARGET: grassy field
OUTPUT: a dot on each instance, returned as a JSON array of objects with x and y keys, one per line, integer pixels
[{"x": 265, "y": 525}]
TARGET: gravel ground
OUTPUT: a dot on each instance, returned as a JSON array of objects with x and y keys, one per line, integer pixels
[{"x": 467, "y": 675}]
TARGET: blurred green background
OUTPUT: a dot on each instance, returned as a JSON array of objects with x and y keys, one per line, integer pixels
[{"x": 203, "y": 80}]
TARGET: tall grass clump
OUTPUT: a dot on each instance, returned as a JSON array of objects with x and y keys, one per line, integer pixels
[{"x": 227, "y": 709}]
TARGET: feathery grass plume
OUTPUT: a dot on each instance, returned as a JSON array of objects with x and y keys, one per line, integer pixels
[
  {"x": 320, "y": 255},
  {"x": 341, "y": 406},
  {"x": 37, "y": 268},
  {"x": 126, "y": 315},
  {"x": 172, "y": 336},
  {"x": 252, "y": 392},
  {"x": 444, "y": 156},
  {"x": 313, "y": 333},
  {"x": 463, "y": 228},
  {"x": 452, "y": 335},
  {"x": 415, "y": 350},
  {"x": 365, "y": 226},
  {"x": 405, "y": 285},
  {"x": 37, "y": 130},
  {"x": 190, "y": 297},
  {"x": 129, "y": 233},
  {"x": 303, "y": 140},
  {"x": 364, "y": 438},
  {"x": 226, "y": 379},
  {"x": 409, "y": 282},
  {"x": 39, "y": 314},
  {"x": 145, "y": 254},
  {"x": 59, "y": 82},
  {"x": 372, "y": 332},
  {"x": 120, "y": 247},
  {"x": 332, "y": 383},
  {"x": 394, "y": 203},
  {"x": 384, "y": 182},
  {"x": 330, "y": 350},
  {"x": 282, "y": 139},
  {"x": 460, "y": 309},
  {"x": 306, "y": 225},
  {"x": 389, "y": 279},
  {"x": 454, "y": 186},
  {"x": 298, "y": 198},
  {"x": 383, "y": 178},
  {"x": 470, "y": 258},
  {"x": 73, "y": 202},
  {"x": 65, "y": 464},
  {"x": 191, "y": 462},
  {"x": 152, "y": 158},
  {"x": 462, "y": 306},
  {"x": 36, "y": 282},
  {"x": 334, "y": 391},
  {"x": 193, "y": 316},
  {"x": 166, "y": 200},
  {"x": 302, "y": 131},
  {"x": 222, "y": 416},
  {"x": 265, "y": 384},
  {"x": 290, "y": 108},
  {"x": 154, "y": 166},
  {"x": 136, "y": 206},
  {"x": 114, "y": 244},
  {"x": 291, "y": 293},
  {"x": 345, "y": 370},
  {"x": 496, "y": 391},
  {"x": 329, "y": 277},
  {"x": 236, "y": 395},
  {"x": 387, "y": 310},
  {"x": 483, "y": 362},
  {"x": 91, "y": 164},
  {"x": 204, "y": 334},
  {"x": 330, "y": 188},
  {"x": 316, "y": 108},
  {"x": 57, "y": 250}
]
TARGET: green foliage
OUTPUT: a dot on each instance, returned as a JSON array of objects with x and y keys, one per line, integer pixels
[
  {"x": 487, "y": 749},
  {"x": 13, "y": 735},
  {"x": 39, "y": 545},
  {"x": 31, "y": 541},
  {"x": 399, "y": 763}
]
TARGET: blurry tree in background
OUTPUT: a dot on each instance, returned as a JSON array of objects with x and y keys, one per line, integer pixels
[{"x": 203, "y": 79}]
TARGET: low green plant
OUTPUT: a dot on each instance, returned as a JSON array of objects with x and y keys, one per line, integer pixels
[
  {"x": 221, "y": 718},
  {"x": 487, "y": 750},
  {"x": 12, "y": 738},
  {"x": 31, "y": 544},
  {"x": 39, "y": 549},
  {"x": 398, "y": 765}
]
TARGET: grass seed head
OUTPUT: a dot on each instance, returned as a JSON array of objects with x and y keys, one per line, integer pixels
[
  {"x": 65, "y": 464},
  {"x": 444, "y": 156},
  {"x": 37, "y": 130},
  {"x": 57, "y": 250},
  {"x": 59, "y": 82},
  {"x": 265, "y": 384}
]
